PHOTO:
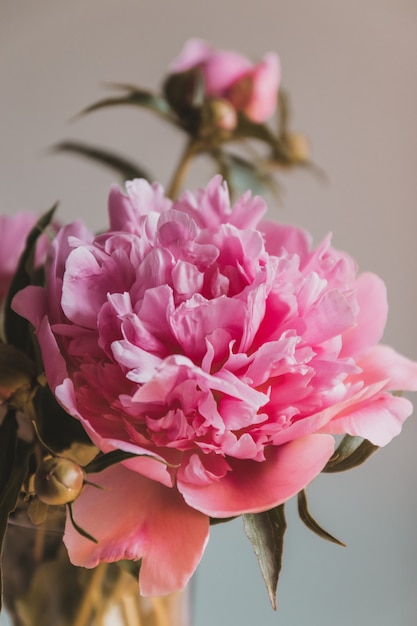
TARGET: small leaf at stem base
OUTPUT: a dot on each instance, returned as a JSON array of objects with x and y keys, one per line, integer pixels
[{"x": 266, "y": 534}]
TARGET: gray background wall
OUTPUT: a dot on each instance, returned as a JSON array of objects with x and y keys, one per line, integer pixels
[{"x": 351, "y": 71}]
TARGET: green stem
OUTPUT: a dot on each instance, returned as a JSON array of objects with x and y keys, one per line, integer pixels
[{"x": 180, "y": 173}]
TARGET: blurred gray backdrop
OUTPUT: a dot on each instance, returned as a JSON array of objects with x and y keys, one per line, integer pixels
[{"x": 351, "y": 71}]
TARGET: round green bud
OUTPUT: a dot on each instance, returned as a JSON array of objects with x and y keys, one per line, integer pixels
[{"x": 58, "y": 480}]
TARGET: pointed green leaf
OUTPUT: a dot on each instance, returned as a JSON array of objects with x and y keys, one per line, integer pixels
[
  {"x": 266, "y": 534},
  {"x": 16, "y": 328},
  {"x": 351, "y": 452},
  {"x": 311, "y": 523},
  {"x": 78, "y": 528},
  {"x": 127, "y": 169},
  {"x": 135, "y": 97},
  {"x": 103, "y": 461}
]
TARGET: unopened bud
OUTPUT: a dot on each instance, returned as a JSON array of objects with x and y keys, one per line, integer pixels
[
  {"x": 221, "y": 114},
  {"x": 298, "y": 147},
  {"x": 58, "y": 481}
]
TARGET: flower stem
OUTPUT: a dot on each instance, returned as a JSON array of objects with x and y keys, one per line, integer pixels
[{"x": 180, "y": 173}]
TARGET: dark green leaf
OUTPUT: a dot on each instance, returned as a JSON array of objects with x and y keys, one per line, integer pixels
[
  {"x": 266, "y": 534},
  {"x": 16, "y": 328},
  {"x": 136, "y": 97},
  {"x": 102, "y": 461},
  {"x": 14, "y": 459},
  {"x": 78, "y": 528},
  {"x": 311, "y": 523},
  {"x": 127, "y": 169},
  {"x": 351, "y": 452},
  {"x": 220, "y": 520}
]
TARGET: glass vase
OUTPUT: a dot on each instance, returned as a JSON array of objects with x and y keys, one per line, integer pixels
[{"x": 41, "y": 586}]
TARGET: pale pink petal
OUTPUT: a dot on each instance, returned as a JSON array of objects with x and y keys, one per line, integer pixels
[
  {"x": 383, "y": 363},
  {"x": 378, "y": 420},
  {"x": 371, "y": 319},
  {"x": 136, "y": 518},
  {"x": 194, "y": 52}
]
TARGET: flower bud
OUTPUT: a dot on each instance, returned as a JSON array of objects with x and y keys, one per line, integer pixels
[
  {"x": 297, "y": 147},
  {"x": 218, "y": 114},
  {"x": 58, "y": 481}
]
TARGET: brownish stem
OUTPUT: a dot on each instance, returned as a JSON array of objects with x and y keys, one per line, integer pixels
[{"x": 181, "y": 171}]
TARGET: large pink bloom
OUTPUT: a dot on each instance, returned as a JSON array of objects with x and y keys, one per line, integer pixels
[
  {"x": 250, "y": 88},
  {"x": 223, "y": 348}
]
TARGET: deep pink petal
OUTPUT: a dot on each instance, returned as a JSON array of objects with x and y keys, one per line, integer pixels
[
  {"x": 266, "y": 77},
  {"x": 252, "y": 487}
]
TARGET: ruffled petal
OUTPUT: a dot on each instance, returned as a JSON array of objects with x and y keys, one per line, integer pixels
[{"x": 252, "y": 487}]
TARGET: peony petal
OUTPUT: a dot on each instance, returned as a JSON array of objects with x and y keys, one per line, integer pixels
[
  {"x": 370, "y": 321},
  {"x": 384, "y": 363},
  {"x": 265, "y": 79},
  {"x": 379, "y": 420},
  {"x": 135, "y": 518},
  {"x": 252, "y": 487}
]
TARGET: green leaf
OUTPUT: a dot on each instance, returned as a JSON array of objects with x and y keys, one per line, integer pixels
[
  {"x": 311, "y": 523},
  {"x": 102, "y": 461},
  {"x": 127, "y": 169},
  {"x": 78, "y": 528},
  {"x": 266, "y": 534},
  {"x": 16, "y": 327},
  {"x": 14, "y": 455},
  {"x": 242, "y": 175},
  {"x": 135, "y": 97},
  {"x": 351, "y": 452}
]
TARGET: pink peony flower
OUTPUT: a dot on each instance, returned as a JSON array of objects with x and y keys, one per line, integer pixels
[
  {"x": 252, "y": 89},
  {"x": 225, "y": 349}
]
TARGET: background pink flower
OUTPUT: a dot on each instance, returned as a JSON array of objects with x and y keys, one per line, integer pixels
[
  {"x": 250, "y": 88},
  {"x": 13, "y": 232},
  {"x": 225, "y": 348}
]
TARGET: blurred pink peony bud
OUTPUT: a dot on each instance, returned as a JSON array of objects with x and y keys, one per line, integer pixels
[{"x": 252, "y": 89}]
